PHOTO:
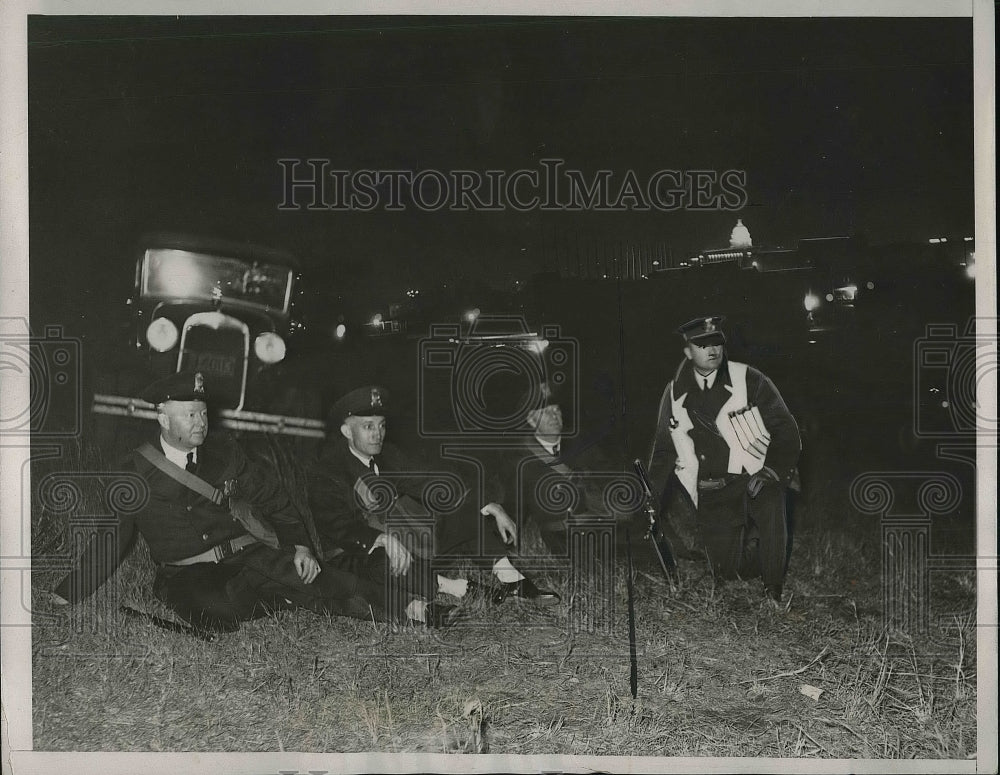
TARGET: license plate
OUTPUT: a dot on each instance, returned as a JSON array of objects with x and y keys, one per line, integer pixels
[{"x": 213, "y": 363}]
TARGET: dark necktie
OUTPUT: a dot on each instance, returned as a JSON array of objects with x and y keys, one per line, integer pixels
[
  {"x": 371, "y": 465},
  {"x": 555, "y": 450},
  {"x": 191, "y": 465},
  {"x": 704, "y": 385}
]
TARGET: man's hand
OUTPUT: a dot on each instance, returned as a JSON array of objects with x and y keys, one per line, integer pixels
[
  {"x": 506, "y": 526},
  {"x": 54, "y": 598},
  {"x": 305, "y": 564},
  {"x": 759, "y": 479},
  {"x": 398, "y": 556}
]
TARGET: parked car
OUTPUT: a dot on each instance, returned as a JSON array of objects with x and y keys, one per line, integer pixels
[{"x": 221, "y": 308}]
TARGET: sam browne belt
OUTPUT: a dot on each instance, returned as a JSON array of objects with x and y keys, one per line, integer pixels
[
  {"x": 220, "y": 552},
  {"x": 717, "y": 484}
]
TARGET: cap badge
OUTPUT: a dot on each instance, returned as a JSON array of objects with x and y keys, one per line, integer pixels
[
  {"x": 376, "y": 398},
  {"x": 709, "y": 325},
  {"x": 199, "y": 382}
]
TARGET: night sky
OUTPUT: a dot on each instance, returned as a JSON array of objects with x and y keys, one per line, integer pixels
[{"x": 843, "y": 126}]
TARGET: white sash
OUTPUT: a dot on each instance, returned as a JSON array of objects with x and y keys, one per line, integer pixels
[{"x": 741, "y": 427}]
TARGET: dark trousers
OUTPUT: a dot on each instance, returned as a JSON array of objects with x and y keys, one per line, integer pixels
[
  {"x": 746, "y": 537},
  {"x": 456, "y": 536},
  {"x": 390, "y": 593},
  {"x": 218, "y": 596}
]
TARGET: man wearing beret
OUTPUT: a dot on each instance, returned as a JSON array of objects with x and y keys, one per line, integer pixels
[
  {"x": 351, "y": 466},
  {"x": 724, "y": 455},
  {"x": 226, "y": 549}
]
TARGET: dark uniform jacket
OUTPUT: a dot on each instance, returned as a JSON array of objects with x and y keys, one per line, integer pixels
[
  {"x": 543, "y": 487},
  {"x": 178, "y": 523},
  {"x": 712, "y": 450},
  {"x": 339, "y": 513}
]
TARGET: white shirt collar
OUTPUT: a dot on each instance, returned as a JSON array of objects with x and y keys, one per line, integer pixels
[
  {"x": 176, "y": 456},
  {"x": 363, "y": 458},
  {"x": 548, "y": 446},
  {"x": 710, "y": 378}
]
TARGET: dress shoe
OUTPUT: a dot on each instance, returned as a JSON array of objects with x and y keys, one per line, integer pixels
[
  {"x": 524, "y": 589},
  {"x": 438, "y": 616}
]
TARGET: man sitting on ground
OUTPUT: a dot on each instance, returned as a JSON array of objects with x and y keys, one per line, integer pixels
[
  {"x": 227, "y": 547},
  {"x": 344, "y": 486}
]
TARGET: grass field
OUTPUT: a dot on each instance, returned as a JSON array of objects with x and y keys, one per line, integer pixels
[{"x": 721, "y": 671}]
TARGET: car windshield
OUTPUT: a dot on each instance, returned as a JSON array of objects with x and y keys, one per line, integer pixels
[{"x": 183, "y": 274}]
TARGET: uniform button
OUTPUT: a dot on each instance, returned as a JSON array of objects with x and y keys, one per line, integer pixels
[
  {"x": 702, "y": 457},
  {"x": 189, "y": 508},
  {"x": 204, "y": 537}
]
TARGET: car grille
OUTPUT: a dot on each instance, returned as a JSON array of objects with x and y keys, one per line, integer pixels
[{"x": 219, "y": 354}]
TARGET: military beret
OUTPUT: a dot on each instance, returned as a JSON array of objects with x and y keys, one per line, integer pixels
[
  {"x": 367, "y": 401},
  {"x": 182, "y": 386},
  {"x": 703, "y": 331}
]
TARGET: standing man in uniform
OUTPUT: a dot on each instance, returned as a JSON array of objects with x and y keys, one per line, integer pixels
[
  {"x": 724, "y": 455},
  {"x": 226, "y": 546},
  {"x": 343, "y": 494}
]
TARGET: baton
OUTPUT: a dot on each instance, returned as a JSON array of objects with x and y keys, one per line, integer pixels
[
  {"x": 633, "y": 677},
  {"x": 664, "y": 552}
]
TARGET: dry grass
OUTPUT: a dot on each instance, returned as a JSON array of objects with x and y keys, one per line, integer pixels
[{"x": 720, "y": 671}]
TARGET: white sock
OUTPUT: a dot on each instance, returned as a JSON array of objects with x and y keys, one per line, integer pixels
[
  {"x": 417, "y": 610},
  {"x": 505, "y": 572},
  {"x": 454, "y": 587}
]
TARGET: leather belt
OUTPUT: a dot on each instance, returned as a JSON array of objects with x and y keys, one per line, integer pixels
[
  {"x": 220, "y": 552},
  {"x": 717, "y": 484}
]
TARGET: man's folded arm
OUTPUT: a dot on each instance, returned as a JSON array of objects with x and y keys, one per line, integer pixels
[
  {"x": 336, "y": 517},
  {"x": 786, "y": 444}
]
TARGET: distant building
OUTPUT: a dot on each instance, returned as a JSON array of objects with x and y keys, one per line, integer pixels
[{"x": 740, "y": 237}]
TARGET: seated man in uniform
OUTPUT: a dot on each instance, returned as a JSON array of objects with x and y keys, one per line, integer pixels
[
  {"x": 225, "y": 549},
  {"x": 724, "y": 454},
  {"x": 346, "y": 473},
  {"x": 539, "y": 469}
]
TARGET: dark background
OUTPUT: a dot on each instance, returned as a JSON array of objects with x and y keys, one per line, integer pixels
[
  {"x": 138, "y": 124},
  {"x": 843, "y": 126}
]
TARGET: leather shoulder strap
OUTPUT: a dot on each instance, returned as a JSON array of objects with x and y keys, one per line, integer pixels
[
  {"x": 180, "y": 475},
  {"x": 550, "y": 460}
]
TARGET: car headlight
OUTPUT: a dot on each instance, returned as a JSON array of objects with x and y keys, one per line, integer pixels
[
  {"x": 269, "y": 347},
  {"x": 811, "y": 302},
  {"x": 538, "y": 346},
  {"x": 161, "y": 334}
]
